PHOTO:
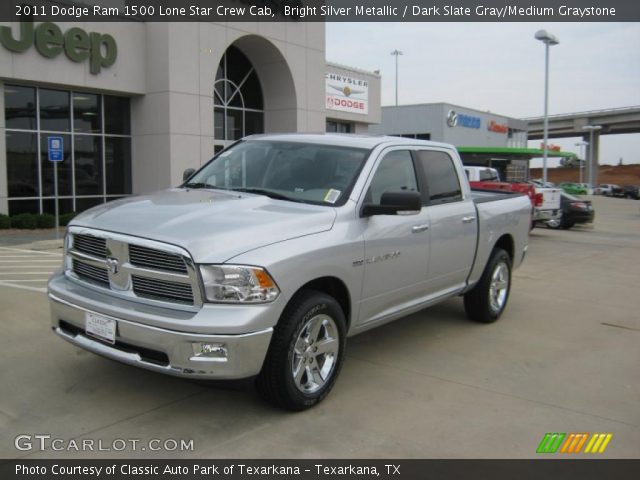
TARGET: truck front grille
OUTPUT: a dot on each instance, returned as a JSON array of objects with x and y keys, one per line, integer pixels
[
  {"x": 160, "y": 289},
  {"x": 156, "y": 259},
  {"x": 134, "y": 268},
  {"x": 90, "y": 245},
  {"x": 90, "y": 273}
]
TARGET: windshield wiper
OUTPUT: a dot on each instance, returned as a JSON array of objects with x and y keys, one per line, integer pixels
[
  {"x": 268, "y": 193},
  {"x": 195, "y": 185}
]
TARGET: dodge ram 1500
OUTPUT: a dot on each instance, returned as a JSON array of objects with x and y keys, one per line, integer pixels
[{"x": 266, "y": 259}]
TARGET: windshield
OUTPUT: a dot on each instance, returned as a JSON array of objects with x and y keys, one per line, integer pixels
[{"x": 302, "y": 172}]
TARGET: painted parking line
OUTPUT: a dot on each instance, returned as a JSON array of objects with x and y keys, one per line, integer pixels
[{"x": 27, "y": 269}]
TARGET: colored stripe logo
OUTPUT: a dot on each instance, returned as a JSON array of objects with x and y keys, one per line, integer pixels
[{"x": 574, "y": 442}]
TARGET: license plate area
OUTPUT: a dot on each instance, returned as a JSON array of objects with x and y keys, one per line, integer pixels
[{"x": 100, "y": 327}]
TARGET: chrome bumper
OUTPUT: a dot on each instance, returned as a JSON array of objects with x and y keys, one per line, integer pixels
[{"x": 162, "y": 350}]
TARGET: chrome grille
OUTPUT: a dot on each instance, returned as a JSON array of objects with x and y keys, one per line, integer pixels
[
  {"x": 156, "y": 259},
  {"x": 134, "y": 268},
  {"x": 161, "y": 289},
  {"x": 90, "y": 273},
  {"x": 91, "y": 245}
]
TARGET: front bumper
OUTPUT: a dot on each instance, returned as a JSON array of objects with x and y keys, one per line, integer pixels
[{"x": 158, "y": 349}]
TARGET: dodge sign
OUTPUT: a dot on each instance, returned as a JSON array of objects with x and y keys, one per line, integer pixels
[{"x": 346, "y": 94}]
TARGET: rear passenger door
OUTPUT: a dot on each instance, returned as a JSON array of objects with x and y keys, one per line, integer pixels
[{"x": 453, "y": 221}]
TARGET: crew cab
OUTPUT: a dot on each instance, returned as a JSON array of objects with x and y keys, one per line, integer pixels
[{"x": 266, "y": 259}]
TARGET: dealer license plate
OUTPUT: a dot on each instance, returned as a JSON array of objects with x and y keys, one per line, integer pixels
[{"x": 100, "y": 327}]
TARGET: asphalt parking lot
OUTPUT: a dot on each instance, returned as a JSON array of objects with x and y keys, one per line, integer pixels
[{"x": 564, "y": 357}]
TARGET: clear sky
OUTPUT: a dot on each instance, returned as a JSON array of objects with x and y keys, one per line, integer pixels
[{"x": 500, "y": 67}]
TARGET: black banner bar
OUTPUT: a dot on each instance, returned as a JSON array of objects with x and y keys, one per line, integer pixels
[
  {"x": 322, "y": 10},
  {"x": 547, "y": 469}
]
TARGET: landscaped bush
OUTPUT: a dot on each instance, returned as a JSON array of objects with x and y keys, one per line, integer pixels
[
  {"x": 45, "y": 220},
  {"x": 5, "y": 222},
  {"x": 24, "y": 220},
  {"x": 65, "y": 218}
]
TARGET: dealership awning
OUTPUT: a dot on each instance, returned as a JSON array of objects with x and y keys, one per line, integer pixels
[{"x": 509, "y": 153}]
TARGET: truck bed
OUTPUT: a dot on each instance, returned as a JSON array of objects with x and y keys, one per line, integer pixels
[{"x": 481, "y": 195}]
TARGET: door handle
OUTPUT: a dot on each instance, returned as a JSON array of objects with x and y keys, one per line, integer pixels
[
  {"x": 468, "y": 219},
  {"x": 420, "y": 228}
]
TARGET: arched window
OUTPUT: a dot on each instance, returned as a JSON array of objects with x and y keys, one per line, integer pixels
[{"x": 237, "y": 98}]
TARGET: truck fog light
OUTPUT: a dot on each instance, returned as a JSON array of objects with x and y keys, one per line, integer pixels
[{"x": 210, "y": 351}]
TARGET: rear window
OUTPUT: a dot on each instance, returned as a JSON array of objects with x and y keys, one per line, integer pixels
[{"x": 440, "y": 177}]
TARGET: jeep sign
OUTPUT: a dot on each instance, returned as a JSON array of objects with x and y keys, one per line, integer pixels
[{"x": 99, "y": 48}]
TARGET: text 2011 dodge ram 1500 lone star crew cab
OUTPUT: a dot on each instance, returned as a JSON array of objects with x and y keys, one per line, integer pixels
[{"x": 266, "y": 259}]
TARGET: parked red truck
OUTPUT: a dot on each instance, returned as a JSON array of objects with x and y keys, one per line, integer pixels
[{"x": 545, "y": 202}]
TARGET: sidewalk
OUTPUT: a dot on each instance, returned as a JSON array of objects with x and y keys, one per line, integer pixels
[{"x": 40, "y": 239}]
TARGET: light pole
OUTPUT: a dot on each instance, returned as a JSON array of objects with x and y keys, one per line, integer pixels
[
  {"x": 592, "y": 165},
  {"x": 396, "y": 53},
  {"x": 549, "y": 40},
  {"x": 584, "y": 155}
]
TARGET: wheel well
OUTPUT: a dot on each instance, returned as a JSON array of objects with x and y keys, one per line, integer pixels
[
  {"x": 334, "y": 287},
  {"x": 505, "y": 242}
]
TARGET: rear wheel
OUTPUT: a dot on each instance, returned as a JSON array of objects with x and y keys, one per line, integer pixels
[
  {"x": 306, "y": 352},
  {"x": 488, "y": 299}
]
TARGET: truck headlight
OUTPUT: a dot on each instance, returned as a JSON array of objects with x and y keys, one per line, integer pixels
[{"x": 238, "y": 284}]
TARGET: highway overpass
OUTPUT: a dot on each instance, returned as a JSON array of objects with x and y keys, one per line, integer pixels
[{"x": 613, "y": 121}]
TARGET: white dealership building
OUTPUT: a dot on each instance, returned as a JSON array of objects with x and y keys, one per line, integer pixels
[{"x": 120, "y": 108}]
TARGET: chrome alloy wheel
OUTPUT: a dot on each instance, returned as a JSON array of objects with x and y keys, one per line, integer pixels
[
  {"x": 315, "y": 354},
  {"x": 499, "y": 287}
]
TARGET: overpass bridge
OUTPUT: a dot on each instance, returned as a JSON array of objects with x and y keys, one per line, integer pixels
[{"x": 612, "y": 120}]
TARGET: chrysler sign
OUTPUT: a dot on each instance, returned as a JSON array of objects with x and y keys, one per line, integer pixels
[{"x": 346, "y": 94}]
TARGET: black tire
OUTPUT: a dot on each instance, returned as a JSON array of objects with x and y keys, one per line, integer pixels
[
  {"x": 565, "y": 225},
  {"x": 477, "y": 302},
  {"x": 276, "y": 382}
]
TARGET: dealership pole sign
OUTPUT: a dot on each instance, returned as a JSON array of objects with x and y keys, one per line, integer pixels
[
  {"x": 346, "y": 94},
  {"x": 78, "y": 45}
]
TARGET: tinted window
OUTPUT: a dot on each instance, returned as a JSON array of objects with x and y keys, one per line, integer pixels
[
  {"x": 54, "y": 110},
  {"x": 395, "y": 173},
  {"x": 86, "y": 113},
  {"x": 441, "y": 178},
  {"x": 20, "y": 107},
  {"x": 22, "y": 164},
  {"x": 116, "y": 115},
  {"x": 88, "y": 165},
  {"x": 117, "y": 157}
]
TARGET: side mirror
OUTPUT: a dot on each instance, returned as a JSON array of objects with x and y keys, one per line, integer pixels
[
  {"x": 188, "y": 173},
  {"x": 395, "y": 203}
]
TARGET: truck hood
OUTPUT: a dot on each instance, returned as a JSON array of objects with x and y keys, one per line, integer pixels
[{"x": 213, "y": 226}]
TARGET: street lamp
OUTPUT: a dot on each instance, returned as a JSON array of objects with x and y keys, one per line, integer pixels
[
  {"x": 591, "y": 129},
  {"x": 396, "y": 53},
  {"x": 549, "y": 40},
  {"x": 584, "y": 155}
]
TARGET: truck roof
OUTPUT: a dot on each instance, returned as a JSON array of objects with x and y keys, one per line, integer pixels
[{"x": 346, "y": 139}]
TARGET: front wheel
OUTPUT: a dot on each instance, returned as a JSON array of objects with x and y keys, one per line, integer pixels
[
  {"x": 306, "y": 352},
  {"x": 488, "y": 299}
]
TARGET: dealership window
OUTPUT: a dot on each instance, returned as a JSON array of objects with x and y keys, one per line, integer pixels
[
  {"x": 416, "y": 136},
  {"x": 334, "y": 126},
  {"x": 96, "y": 158},
  {"x": 237, "y": 98}
]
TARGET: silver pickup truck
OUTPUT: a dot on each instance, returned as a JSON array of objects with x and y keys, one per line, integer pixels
[{"x": 265, "y": 260}]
